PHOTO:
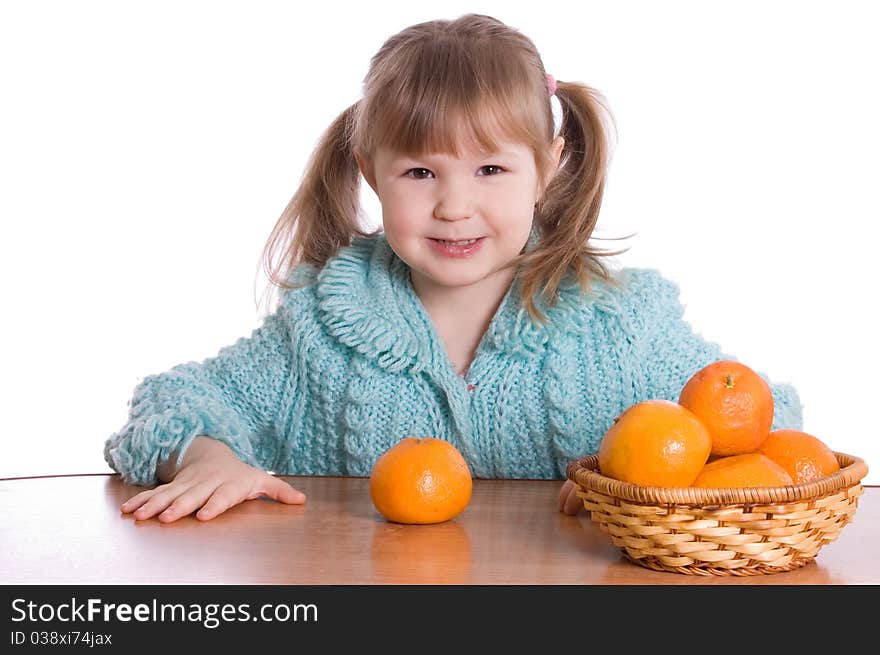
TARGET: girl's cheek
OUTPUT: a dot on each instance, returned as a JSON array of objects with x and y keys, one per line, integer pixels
[{"x": 403, "y": 222}]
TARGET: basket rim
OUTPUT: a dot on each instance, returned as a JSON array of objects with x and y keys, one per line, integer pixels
[{"x": 585, "y": 472}]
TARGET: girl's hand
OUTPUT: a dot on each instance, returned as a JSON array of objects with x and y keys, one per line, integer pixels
[
  {"x": 211, "y": 479},
  {"x": 569, "y": 501}
]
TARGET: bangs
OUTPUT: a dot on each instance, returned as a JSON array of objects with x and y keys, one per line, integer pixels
[
  {"x": 447, "y": 96},
  {"x": 450, "y": 128}
]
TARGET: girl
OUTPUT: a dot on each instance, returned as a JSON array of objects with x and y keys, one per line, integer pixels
[{"x": 479, "y": 313}]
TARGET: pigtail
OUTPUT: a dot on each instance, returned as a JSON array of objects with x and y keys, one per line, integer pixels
[
  {"x": 324, "y": 214},
  {"x": 567, "y": 213}
]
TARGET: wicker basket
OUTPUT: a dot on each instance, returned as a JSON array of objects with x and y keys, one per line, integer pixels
[{"x": 721, "y": 531}]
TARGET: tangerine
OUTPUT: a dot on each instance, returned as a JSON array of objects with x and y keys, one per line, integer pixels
[
  {"x": 745, "y": 470},
  {"x": 655, "y": 443},
  {"x": 804, "y": 456},
  {"x": 420, "y": 480},
  {"x": 735, "y": 404}
]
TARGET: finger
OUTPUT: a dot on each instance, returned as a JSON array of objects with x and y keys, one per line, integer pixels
[
  {"x": 563, "y": 494},
  {"x": 283, "y": 492},
  {"x": 573, "y": 503},
  {"x": 150, "y": 508},
  {"x": 188, "y": 502},
  {"x": 157, "y": 500},
  {"x": 223, "y": 497},
  {"x": 136, "y": 501}
]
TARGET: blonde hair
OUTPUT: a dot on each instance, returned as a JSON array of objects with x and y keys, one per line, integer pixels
[{"x": 425, "y": 87}]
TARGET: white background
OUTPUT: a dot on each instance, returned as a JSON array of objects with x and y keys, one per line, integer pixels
[{"x": 147, "y": 149}]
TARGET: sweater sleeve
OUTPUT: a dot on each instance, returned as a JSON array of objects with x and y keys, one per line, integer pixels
[
  {"x": 233, "y": 397},
  {"x": 672, "y": 351}
]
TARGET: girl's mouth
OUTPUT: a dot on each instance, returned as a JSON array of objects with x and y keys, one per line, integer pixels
[{"x": 461, "y": 248}]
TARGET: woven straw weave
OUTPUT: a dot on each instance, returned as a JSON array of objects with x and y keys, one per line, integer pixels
[{"x": 721, "y": 531}]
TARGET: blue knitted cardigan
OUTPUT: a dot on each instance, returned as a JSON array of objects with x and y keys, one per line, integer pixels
[{"x": 351, "y": 363}]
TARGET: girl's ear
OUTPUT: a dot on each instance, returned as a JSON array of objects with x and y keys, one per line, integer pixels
[
  {"x": 366, "y": 169},
  {"x": 555, "y": 156}
]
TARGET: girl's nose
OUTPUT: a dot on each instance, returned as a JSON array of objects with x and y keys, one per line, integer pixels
[{"x": 454, "y": 205}]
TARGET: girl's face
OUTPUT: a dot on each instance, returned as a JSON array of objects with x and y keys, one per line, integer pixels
[{"x": 435, "y": 198}]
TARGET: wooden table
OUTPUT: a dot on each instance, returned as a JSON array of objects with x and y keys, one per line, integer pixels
[{"x": 69, "y": 530}]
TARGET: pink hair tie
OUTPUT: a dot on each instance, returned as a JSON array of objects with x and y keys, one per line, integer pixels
[{"x": 551, "y": 84}]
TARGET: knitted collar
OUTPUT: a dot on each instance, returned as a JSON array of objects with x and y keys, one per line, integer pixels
[{"x": 366, "y": 300}]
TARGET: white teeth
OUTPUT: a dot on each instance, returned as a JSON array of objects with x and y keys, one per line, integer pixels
[{"x": 458, "y": 243}]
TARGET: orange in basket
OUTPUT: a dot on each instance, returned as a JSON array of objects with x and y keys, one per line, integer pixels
[
  {"x": 655, "y": 442},
  {"x": 747, "y": 470},
  {"x": 804, "y": 456},
  {"x": 735, "y": 404}
]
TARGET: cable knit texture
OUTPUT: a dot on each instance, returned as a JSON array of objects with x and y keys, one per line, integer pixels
[{"x": 351, "y": 363}]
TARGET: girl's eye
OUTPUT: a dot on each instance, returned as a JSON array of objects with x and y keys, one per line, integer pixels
[{"x": 417, "y": 173}]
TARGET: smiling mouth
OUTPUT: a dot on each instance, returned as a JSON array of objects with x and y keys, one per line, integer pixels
[{"x": 463, "y": 242}]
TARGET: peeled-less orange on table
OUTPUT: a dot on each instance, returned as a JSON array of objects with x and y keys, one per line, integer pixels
[{"x": 421, "y": 480}]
